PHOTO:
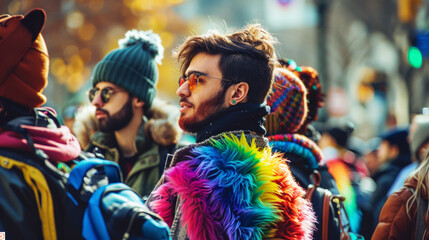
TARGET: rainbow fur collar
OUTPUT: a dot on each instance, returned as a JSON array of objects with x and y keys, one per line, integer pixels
[{"x": 233, "y": 189}]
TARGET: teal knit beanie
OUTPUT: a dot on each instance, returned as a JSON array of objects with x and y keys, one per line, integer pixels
[{"x": 133, "y": 65}]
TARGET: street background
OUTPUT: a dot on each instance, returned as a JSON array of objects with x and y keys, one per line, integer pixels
[{"x": 371, "y": 55}]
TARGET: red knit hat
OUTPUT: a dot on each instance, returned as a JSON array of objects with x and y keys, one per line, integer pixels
[
  {"x": 288, "y": 102},
  {"x": 25, "y": 61}
]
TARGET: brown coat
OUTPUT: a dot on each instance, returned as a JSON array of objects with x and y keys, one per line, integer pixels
[{"x": 394, "y": 222}]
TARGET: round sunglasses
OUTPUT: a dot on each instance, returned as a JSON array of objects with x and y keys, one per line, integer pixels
[
  {"x": 105, "y": 94},
  {"x": 194, "y": 78}
]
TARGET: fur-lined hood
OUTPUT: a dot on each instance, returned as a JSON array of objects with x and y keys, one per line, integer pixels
[
  {"x": 162, "y": 123},
  {"x": 84, "y": 124}
]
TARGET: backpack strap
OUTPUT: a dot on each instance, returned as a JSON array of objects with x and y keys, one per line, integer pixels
[
  {"x": 327, "y": 196},
  {"x": 37, "y": 182},
  {"x": 312, "y": 187},
  {"x": 326, "y": 209},
  {"x": 339, "y": 200}
]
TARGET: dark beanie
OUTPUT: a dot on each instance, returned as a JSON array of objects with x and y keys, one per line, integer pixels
[
  {"x": 133, "y": 65},
  {"x": 340, "y": 131},
  {"x": 398, "y": 137}
]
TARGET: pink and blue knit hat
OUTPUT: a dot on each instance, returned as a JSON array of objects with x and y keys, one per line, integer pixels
[{"x": 288, "y": 102}]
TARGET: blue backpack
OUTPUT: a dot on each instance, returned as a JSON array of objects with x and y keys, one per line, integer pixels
[{"x": 107, "y": 208}]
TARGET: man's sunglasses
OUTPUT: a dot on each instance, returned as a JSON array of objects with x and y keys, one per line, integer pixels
[
  {"x": 105, "y": 94},
  {"x": 194, "y": 78}
]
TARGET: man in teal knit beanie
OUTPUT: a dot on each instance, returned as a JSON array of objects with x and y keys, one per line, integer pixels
[
  {"x": 135, "y": 129},
  {"x": 133, "y": 65}
]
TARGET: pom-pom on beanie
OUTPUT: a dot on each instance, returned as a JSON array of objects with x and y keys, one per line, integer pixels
[
  {"x": 24, "y": 64},
  {"x": 288, "y": 102},
  {"x": 133, "y": 65}
]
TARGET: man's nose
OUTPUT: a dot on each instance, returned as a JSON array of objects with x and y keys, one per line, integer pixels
[
  {"x": 97, "y": 102},
  {"x": 183, "y": 90}
]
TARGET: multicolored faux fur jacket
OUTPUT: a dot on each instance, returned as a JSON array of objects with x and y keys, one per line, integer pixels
[{"x": 231, "y": 186}]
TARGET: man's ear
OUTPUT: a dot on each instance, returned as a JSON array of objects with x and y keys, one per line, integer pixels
[
  {"x": 238, "y": 93},
  {"x": 138, "y": 103}
]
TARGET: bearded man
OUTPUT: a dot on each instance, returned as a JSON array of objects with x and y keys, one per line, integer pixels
[
  {"x": 135, "y": 129},
  {"x": 229, "y": 185}
]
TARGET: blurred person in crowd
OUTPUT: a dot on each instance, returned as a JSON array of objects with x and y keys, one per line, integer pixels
[
  {"x": 344, "y": 166},
  {"x": 32, "y": 141},
  {"x": 404, "y": 215},
  {"x": 289, "y": 108},
  {"x": 370, "y": 155},
  {"x": 418, "y": 137},
  {"x": 85, "y": 125},
  {"x": 315, "y": 97},
  {"x": 367, "y": 156},
  {"x": 393, "y": 154},
  {"x": 288, "y": 103},
  {"x": 229, "y": 185},
  {"x": 133, "y": 131}
]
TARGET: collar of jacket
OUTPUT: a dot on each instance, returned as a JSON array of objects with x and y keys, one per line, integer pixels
[
  {"x": 260, "y": 141},
  {"x": 108, "y": 140},
  {"x": 243, "y": 116}
]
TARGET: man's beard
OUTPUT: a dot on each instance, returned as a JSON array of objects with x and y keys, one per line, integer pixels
[
  {"x": 118, "y": 120},
  {"x": 206, "y": 109}
]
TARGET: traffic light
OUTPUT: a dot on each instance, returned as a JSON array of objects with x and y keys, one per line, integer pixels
[
  {"x": 419, "y": 49},
  {"x": 415, "y": 58}
]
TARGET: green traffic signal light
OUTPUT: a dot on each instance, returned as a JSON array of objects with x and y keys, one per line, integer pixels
[{"x": 415, "y": 57}]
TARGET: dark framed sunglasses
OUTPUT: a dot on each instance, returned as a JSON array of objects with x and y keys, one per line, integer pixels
[
  {"x": 105, "y": 93},
  {"x": 194, "y": 78}
]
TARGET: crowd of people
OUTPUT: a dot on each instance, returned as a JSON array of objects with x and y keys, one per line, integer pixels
[{"x": 254, "y": 147}]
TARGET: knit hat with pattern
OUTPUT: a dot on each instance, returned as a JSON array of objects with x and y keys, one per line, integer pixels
[
  {"x": 133, "y": 65},
  {"x": 288, "y": 102},
  {"x": 24, "y": 63},
  {"x": 310, "y": 77}
]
